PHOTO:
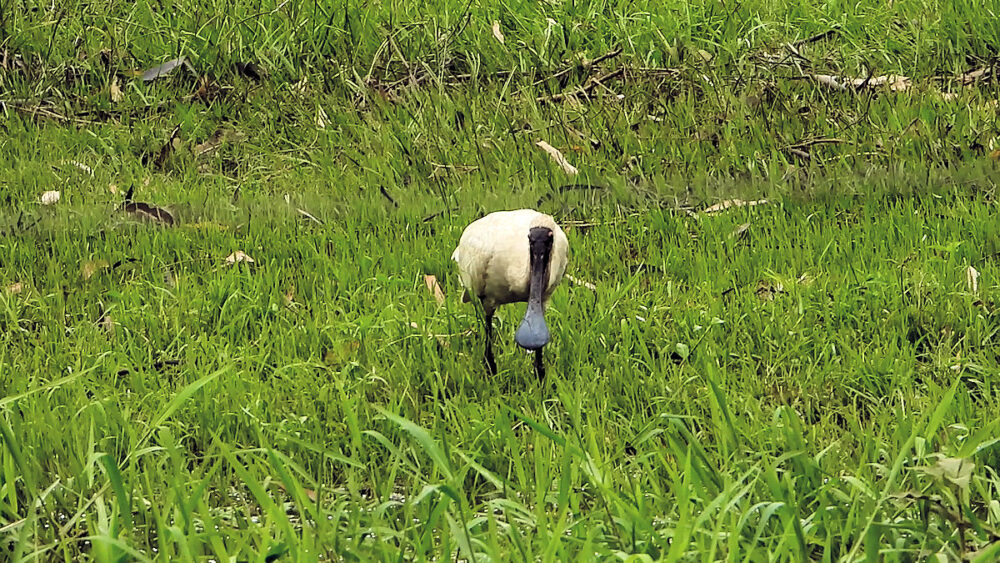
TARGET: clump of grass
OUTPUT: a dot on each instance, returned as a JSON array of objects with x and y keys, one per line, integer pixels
[{"x": 809, "y": 378}]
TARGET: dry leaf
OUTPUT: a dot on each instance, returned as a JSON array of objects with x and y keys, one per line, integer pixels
[
  {"x": 956, "y": 470},
  {"x": 806, "y": 279},
  {"x": 207, "y": 90},
  {"x": 116, "y": 92},
  {"x": 239, "y": 256},
  {"x": 149, "y": 212},
  {"x": 108, "y": 324},
  {"x": 340, "y": 353},
  {"x": 113, "y": 189},
  {"x": 82, "y": 166},
  {"x": 50, "y": 197},
  {"x": 728, "y": 203},
  {"x": 91, "y": 267},
  {"x": 211, "y": 144},
  {"x": 173, "y": 143},
  {"x": 249, "y": 70},
  {"x": 558, "y": 157},
  {"x": 309, "y": 216},
  {"x": 15, "y": 287},
  {"x": 496, "y": 32},
  {"x": 705, "y": 55},
  {"x": 310, "y": 494},
  {"x": 435, "y": 289},
  {"x": 167, "y": 68},
  {"x": 766, "y": 291},
  {"x": 829, "y": 81},
  {"x": 995, "y": 155},
  {"x": 322, "y": 119},
  {"x": 972, "y": 279},
  {"x": 585, "y": 284}
]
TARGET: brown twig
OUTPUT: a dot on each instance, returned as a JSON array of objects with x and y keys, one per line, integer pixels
[
  {"x": 591, "y": 83},
  {"x": 795, "y": 51},
  {"x": 652, "y": 71},
  {"x": 818, "y": 37},
  {"x": 41, "y": 112},
  {"x": 981, "y": 73},
  {"x": 799, "y": 153},
  {"x": 411, "y": 76},
  {"x": 385, "y": 193},
  {"x": 609, "y": 55},
  {"x": 402, "y": 59},
  {"x": 955, "y": 517},
  {"x": 810, "y": 142},
  {"x": 585, "y": 65}
]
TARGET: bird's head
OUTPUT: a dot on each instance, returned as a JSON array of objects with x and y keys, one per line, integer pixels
[{"x": 540, "y": 243}]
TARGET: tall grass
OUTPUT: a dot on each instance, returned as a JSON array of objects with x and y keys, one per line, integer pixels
[{"x": 807, "y": 379}]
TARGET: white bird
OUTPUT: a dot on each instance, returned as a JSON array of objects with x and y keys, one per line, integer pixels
[{"x": 508, "y": 257}]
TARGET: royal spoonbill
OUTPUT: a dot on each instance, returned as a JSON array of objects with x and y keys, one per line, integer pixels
[{"x": 509, "y": 257}]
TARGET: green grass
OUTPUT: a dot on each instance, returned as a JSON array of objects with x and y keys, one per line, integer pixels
[{"x": 811, "y": 379}]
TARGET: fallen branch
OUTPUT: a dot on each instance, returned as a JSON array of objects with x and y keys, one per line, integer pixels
[
  {"x": 42, "y": 112},
  {"x": 799, "y": 153},
  {"x": 981, "y": 73},
  {"x": 591, "y": 83},
  {"x": 810, "y": 142},
  {"x": 421, "y": 77},
  {"x": 558, "y": 157},
  {"x": 584, "y": 283},
  {"x": 385, "y": 193},
  {"x": 586, "y": 65},
  {"x": 818, "y": 37},
  {"x": 894, "y": 82}
]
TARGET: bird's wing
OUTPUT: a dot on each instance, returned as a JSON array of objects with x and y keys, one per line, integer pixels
[
  {"x": 492, "y": 256},
  {"x": 560, "y": 256},
  {"x": 473, "y": 257}
]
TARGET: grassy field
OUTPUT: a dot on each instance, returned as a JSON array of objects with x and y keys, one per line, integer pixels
[{"x": 811, "y": 378}]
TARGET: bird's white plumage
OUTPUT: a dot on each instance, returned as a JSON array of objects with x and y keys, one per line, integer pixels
[{"x": 493, "y": 257}]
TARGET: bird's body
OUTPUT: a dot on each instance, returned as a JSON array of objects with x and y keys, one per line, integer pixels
[
  {"x": 500, "y": 256},
  {"x": 494, "y": 261}
]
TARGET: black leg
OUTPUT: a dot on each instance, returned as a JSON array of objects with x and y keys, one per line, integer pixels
[
  {"x": 539, "y": 365},
  {"x": 491, "y": 364}
]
